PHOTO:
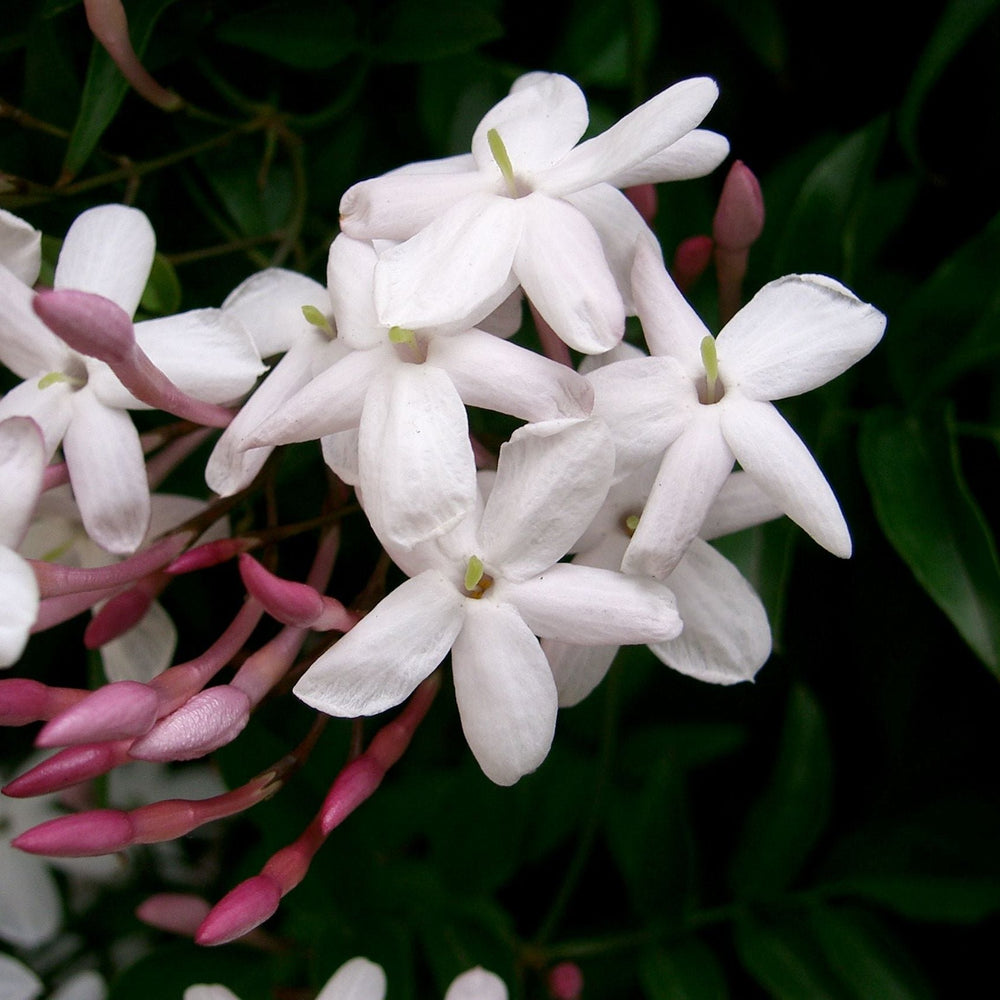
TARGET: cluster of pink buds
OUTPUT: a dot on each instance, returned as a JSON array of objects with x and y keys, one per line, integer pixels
[{"x": 624, "y": 462}]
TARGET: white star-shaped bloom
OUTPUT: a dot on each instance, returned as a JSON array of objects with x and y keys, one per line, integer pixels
[
  {"x": 797, "y": 333},
  {"x": 529, "y": 206},
  {"x": 77, "y": 400},
  {"x": 485, "y": 590},
  {"x": 391, "y": 412}
]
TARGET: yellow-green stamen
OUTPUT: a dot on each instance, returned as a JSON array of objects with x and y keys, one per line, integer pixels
[
  {"x": 711, "y": 362},
  {"x": 474, "y": 572},
  {"x": 499, "y": 151},
  {"x": 400, "y": 335},
  {"x": 631, "y": 523},
  {"x": 54, "y": 378},
  {"x": 316, "y": 318}
]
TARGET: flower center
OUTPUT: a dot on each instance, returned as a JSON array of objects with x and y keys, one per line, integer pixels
[
  {"x": 499, "y": 151},
  {"x": 477, "y": 581},
  {"x": 317, "y": 319},
  {"x": 408, "y": 348},
  {"x": 54, "y": 378},
  {"x": 629, "y": 524},
  {"x": 711, "y": 390}
]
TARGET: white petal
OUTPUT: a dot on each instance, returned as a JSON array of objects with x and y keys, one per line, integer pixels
[
  {"x": 50, "y": 408},
  {"x": 86, "y": 985},
  {"x": 340, "y": 452},
  {"x": 350, "y": 276},
  {"x": 599, "y": 607},
  {"x": 357, "y": 979},
  {"x": 389, "y": 652},
  {"x": 209, "y": 991},
  {"x": 30, "y": 906},
  {"x": 671, "y": 327},
  {"x": 539, "y": 122},
  {"x": 27, "y": 346},
  {"x": 693, "y": 155},
  {"x": 646, "y": 403},
  {"x": 477, "y": 984},
  {"x": 551, "y": 480},
  {"x": 399, "y": 204},
  {"x": 17, "y": 981},
  {"x": 642, "y": 134},
  {"x": 690, "y": 477},
  {"x": 331, "y": 402},
  {"x": 619, "y": 226},
  {"x": 20, "y": 248},
  {"x": 415, "y": 461},
  {"x": 108, "y": 473},
  {"x": 726, "y": 637},
  {"x": 22, "y": 464},
  {"x": 561, "y": 266},
  {"x": 795, "y": 334},
  {"x": 533, "y": 387},
  {"x": 770, "y": 451},
  {"x": 505, "y": 692},
  {"x": 577, "y": 670},
  {"x": 741, "y": 503},
  {"x": 457, "y": 268},
  {"x": 231, "y": 468},
  {"x": 269, "y": 305},
  {"x": 144, "y": 651},
  {"x": 109, "y": 251},
  {"x": 19, "y": 607}
]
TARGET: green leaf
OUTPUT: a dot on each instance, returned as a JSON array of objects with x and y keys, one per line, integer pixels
[
  {"x": 104, "y": 88},
  {"x": 305, "y": 34},
  {"x": 926, "y": 511},
  {"x": 784, "y": 957},
  {"x": 937, "y": 898},
  {"x": 866, "y": 958},
  {"x": 687, "y": 970},
  {"x": 949, "y": 324},
  {"x": 787, "y": 819},
  {"x": 419, "y": 30},
  {"x": 162, "y": 295},
  {"x": 958, "y": 24},
  {"x": 762, "y": 28},
  {"x": 820, "y": 233}
]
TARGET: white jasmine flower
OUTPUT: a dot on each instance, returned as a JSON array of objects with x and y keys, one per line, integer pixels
[
  {"x": 485, "y": 590},
  {"x": 531, "y": 207},
  {"x": 703, "y": 404},
  {"x": 76, "y": 400}
]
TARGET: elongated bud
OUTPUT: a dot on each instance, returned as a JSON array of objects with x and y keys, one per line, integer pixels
[
  {"x": 565, "y": 981},
  {"x": 109, "y": 24},
  {"x": 643, "y": 197},
  {"x": 240, "y": 911},
  {"x": 210, "y": 554},
  {"x": 293, "y": 603},
  {"x": 23, "y": 701},
  {"x": 123, "y": 611},
  {"x": 67, "y": 768},
  {"x": 113, "y": 712},
  {"x": 691, "y": 260},
  {"x": 100, "y": 328},
  {"x": 355, "y": 783},
  {"x": 101, "y": 831},
  {"x": 176, "y": 912},
  {"x": 739, "y": 217},
  {"x": 207, "y": 721}
]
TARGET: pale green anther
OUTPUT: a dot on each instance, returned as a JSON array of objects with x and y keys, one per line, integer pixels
[
  {"x": 473, "y": 572},
  {"x": 400, "y": 335},
  {"x": 711, "y": 362},
  {"x": 499, "y": 151},
  {"x": 314, "y": 316},
  {"x": 631, "y": 523},
  {"x": 53, "y": 378}
]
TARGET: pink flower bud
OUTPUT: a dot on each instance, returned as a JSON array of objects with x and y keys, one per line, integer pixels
[
  {"x": 290, "y": 603},
  {"x": 565, "y": 981},
  {"x": 113, "y": 712},
  {"x": 643, "y": 196},
  {"x": 240, "y": 911},
  {"x": 210, "y": 554},
  {"x": 691, "y": 260},
  {"x": 122, "y": 612},
  {"x": 68, "y": 767},
  {"x": 353, "y": 785},
  {"x": 207, "y": 721},
  {"x": 101, "y": 831},
  {"x": 175, "y": 912},
  {"x": 739, "y": 218},
  {"x": 23, "y": 701}
]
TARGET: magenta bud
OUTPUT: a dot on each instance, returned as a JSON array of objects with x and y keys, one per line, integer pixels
[
  {"x": 23, "y": 701},
  {"x": 352, "y": 786},
  {"x": 88, "y": 323},
  {"x": 114, "y": 712},
  {"x": 210, "y": 554},
  {"x": 643, "y": 197},
  {"x": 81, "y": 835},
  {"x": 68, "y": 767},
  {"x": 565, "y": 981},
  {"x": 118, "y": 615},
  {"x": 206, "y": 721},
  {"x": 240, "y": 911},
  {"x": 176, "y": 912},
  {"x": 739, "y": 218},
  {"x": 691, "y": 260},
  {"x": 291, "y": 603}
]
